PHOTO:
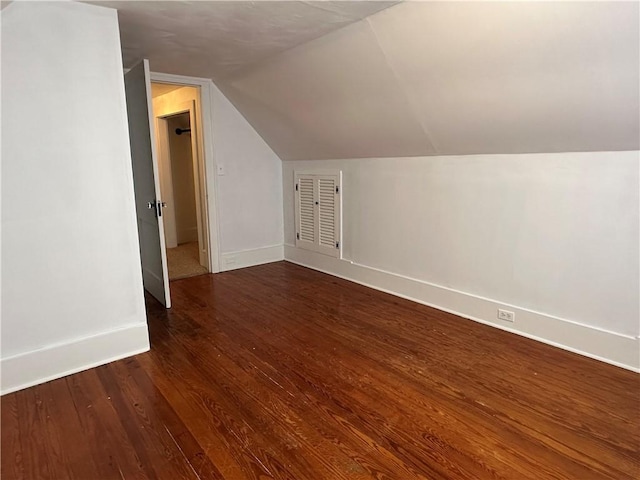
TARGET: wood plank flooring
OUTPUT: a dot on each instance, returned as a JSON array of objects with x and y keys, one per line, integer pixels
[{"x": 280, "y": 372}]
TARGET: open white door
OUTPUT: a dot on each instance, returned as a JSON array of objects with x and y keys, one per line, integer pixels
[{"x": 146, "y": 183}]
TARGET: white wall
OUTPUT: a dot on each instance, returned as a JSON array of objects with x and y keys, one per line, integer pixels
[
  {"x": 184, "y": 194},
  {"x": 72, "y": 293},
  {"x": 552, "y": 236},
  {"x": 248, "y": 198},
  {"x": 250, "y": 191}
]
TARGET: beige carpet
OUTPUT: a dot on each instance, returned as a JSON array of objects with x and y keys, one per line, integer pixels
[{"x": 183, "y": 261}]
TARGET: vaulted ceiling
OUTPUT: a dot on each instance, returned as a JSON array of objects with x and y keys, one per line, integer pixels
[{"x": 322, "y": 80}]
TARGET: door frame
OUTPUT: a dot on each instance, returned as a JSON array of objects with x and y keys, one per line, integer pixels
[
  {"x": 197, "y": 165},
  {"x": 166, "y": 180},
  {"x": 207, "y": 161}
]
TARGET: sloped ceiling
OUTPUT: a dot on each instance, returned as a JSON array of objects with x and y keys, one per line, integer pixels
[
  {"x": 417, "y": 78},
  {"x": 440, "y": 78}
]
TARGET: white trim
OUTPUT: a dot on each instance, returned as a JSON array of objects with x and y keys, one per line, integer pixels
[
  {"x": 610, "y": 347},
  {"x": 198, "y": 168},
  {"x": 166, "y": 181},
  {"x": 206, "y": 100},
  {"x": 250, "y": 258},
  {"x": 57, "y": 361}
]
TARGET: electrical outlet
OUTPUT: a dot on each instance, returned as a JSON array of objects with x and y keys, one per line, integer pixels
[
  {"x": 220, "y": 168},
  {"x": 506, "y": 315}
]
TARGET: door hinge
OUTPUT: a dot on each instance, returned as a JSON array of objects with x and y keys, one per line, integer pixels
[
  {"x": 298, "y": 236},
  {"x": 337, "y": 244},
  {"x": 337, "y": 189}
]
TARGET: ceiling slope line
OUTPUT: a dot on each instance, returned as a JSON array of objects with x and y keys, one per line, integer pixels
[
  {"x": 347, "y": 21},
  {"x": 405, "y": 90},
  {"x": 319, "y": 5}
]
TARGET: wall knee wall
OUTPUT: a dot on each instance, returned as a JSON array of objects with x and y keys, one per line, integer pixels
[{"x": 551, "y": 237}]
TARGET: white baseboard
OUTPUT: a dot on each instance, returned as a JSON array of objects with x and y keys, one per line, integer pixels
[
  {"x": 610, "y": 347},
  {"x": 39, "y": 366},
  {"x": 250, "y": 258}
]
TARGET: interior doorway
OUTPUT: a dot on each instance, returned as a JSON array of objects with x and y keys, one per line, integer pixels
[{"x": 182, "y": 178}]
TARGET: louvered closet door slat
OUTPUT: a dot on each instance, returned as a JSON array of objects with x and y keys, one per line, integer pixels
[
  {"x": 326, "y": 212},
  {"x": 318, "y": 212},
  {"x": 306, "y": 210}
]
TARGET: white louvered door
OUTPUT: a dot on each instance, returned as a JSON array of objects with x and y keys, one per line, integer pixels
[
  {"x": 326, "y": 212},
  {"x": 306, "y": 211},
  {"x": 318, "y": 213}
]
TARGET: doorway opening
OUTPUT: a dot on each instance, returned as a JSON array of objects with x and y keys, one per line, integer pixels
[{"x": 182, "y": 178}]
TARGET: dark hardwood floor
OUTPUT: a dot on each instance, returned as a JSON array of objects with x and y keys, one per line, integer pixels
[{"x": 281, "y": 372}]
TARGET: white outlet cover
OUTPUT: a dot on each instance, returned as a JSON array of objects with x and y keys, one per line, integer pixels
[{"x": 506, "y": 315}]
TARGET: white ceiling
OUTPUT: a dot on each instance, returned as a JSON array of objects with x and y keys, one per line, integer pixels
[
  {"x": 213, "y": 39},
  {"x": 448, "y": 78},
  {"x": 327, "y": 80}
]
